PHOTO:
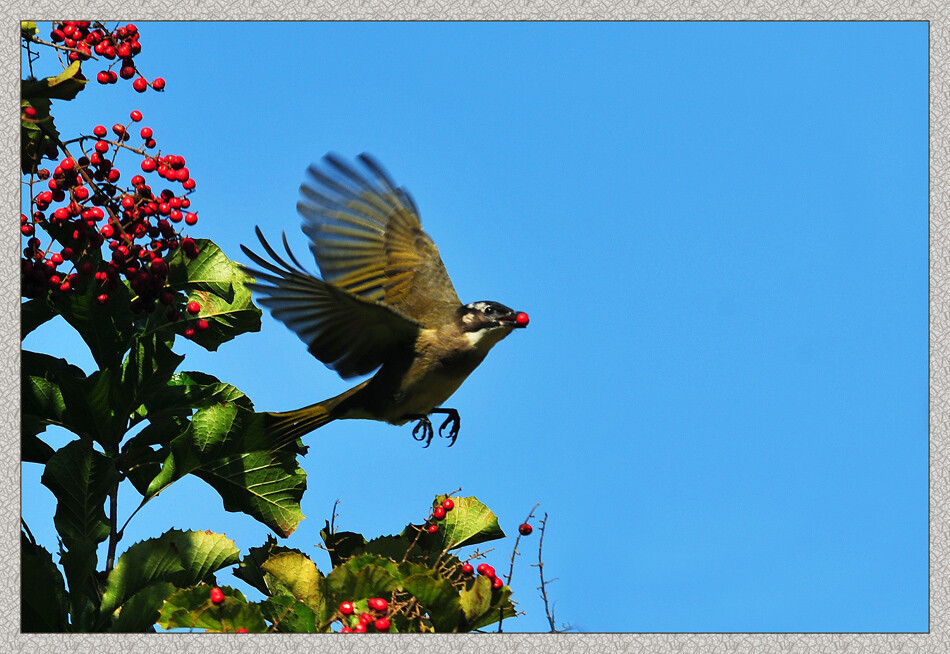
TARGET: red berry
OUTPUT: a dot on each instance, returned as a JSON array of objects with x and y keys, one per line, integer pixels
[
  {"x": 521, "y": 319},
  {"x": 485, "y": 569},
  {"x": 217, "y": 596},
  {"x": 240, "y": 630},
  {"x": 103, "y": 298},
  {"x": 468, "y": 570},
  {"x": 438, "y": 513},
  {"x": 189, "y": 332},
  {"x": 146, "y": 132},
  {"x": 149, "y": 165},
  {"x": 136, "y": 115},
  {"x": 202, "y": 325},
  {"x": 139, "y": 84},
  {"x": 106, "y": 231},
  {"x": 193, "y": 307},
  {"x": 525, "y": 529},
  {"x": 103, "y": 77},
  {"x": 382, "y": 624},
  {"x": 188, "y": 184},
  {"x": 497, "y": 582},
  {"x": 67, "y": 165},
  {"x": 360, "y": 628},
  {"x": 27, "y": 230},
  {"x": 158, "y": 83},
  {"x": 191, "y": 218},
  {"x": 57, "y": 258},
  {"x": 448, "y": 504},
  {"x": 432, "y": 528},
  {"x": 346, "y": 608},
  {"x": 102, "y": 147},
  {"x": 346, "y": 630},
  {"x": 377, "y": 604},
  {"x": 366, "y": 618}
]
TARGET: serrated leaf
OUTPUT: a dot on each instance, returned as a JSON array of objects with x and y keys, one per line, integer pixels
[
  {"x": 218, "y": 285},
  {"x": 296, "y": 574},
  {"x": 42, "y": 397},
  {"x": 220, "y": 447},
  {"x": 182, "y": 558},
  {"x": 43, "y": 603},
  {"x": 290, "y": 615},
  {"x": 438, "y": 597},
  {"x": 249, "y": 570},
  {"x": 147, "y": 368},
  {"x": 80, "y": 478},
  {"x": 368, "y": 581},
  {"x": 482, "y": 605},
  {"x": 469, "y": 523},
  {"x": 191, "y": 608},
  {"x": 142, "y": 610}
]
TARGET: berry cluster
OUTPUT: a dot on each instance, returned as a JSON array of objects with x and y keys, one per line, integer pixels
[
  {"x": 484, "y": 570},
  {"x": 361, "y": 623},
  {"x": 119, "y": 45},
  {"x": 438, "y": 513},
  {"x": 84, "y": 207}
]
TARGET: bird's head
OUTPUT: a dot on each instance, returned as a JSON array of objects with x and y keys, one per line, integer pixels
[{"x": 489, "y": 321}]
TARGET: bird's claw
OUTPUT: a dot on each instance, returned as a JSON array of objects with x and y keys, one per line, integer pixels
[
  {"x": 456, "y": 422},
  {"x": 426, "y": 426}
]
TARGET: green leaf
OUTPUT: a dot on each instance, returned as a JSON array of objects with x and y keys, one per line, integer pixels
[
  {"x": 43, "y": 602},
  {"x": 80, "y": 479},
  {"x": 225, "y": 445},
  {"x": 369, "y": 580},
  {"x": 41, "y": 395},
  {"x": 182, "y": 558},
  {"x": 64, "y": 86},
  {"x": 342, "y": 545},
  {"x": 37, "y": 134},
  {"x": 28, "y": 29},
  {"x": 482, "y": 605},
  {"x": 438, "y": 597},
  {"x": 469, "y": 523},
  {"x": 295, "y": 574},
  {"x": 290, "y": 615},
  {"x": 106, "y": 329},
  {"x": 250, "y": 571},
  {"x": 218, "y": 285},
  {"x": 142, "y": 610},
  {"x": 147, "y": 368},
  {"x": 191, "y": 608},
  {"x": 32, "y": 448},
  {"x": 79, "y": 563},
  {"x": 34, "y": 313}
]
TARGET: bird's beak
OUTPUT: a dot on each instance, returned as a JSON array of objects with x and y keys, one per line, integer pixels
[{"x": 515, "y": 319}]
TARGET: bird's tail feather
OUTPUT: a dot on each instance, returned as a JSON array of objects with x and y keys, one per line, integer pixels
[{"x": 286, "y": 426}]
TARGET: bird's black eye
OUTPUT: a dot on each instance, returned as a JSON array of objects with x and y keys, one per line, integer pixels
[{"x": 489, "y": 310}]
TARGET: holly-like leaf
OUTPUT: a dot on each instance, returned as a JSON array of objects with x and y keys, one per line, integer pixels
[
  {"x": 191, "y": 608},
  {"x": 182, "y": 558},
  {"x": 217, "y": 284},
  {"x": 64, "y": 86},
  {"x": 43, "y": 603},
  {"x": 80, "y": 479}
]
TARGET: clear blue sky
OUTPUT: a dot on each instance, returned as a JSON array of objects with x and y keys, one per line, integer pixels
[{"x": 720, "y": 233}]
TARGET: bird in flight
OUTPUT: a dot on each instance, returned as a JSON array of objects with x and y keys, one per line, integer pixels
[{"x": 385, "y": 303}]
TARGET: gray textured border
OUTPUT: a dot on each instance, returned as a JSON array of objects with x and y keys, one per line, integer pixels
[{"x": 938, "y": 640}]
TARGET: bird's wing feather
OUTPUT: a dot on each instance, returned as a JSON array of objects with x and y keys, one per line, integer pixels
[
  {"x": 367, "y": 239},
  {"x": 349, "y": 333}
]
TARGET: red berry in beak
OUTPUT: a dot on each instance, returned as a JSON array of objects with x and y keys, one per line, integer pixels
[{"x": 521, "y": 319}]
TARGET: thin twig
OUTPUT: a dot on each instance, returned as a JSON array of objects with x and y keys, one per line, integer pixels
[
  {"x": 511, "y": 569},
  {"x": 544, "y": 593}
]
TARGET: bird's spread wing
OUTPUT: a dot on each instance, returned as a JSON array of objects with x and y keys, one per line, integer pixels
[
  {"x": 367, "y": 239},
  {"x": 348, "y": 333}
]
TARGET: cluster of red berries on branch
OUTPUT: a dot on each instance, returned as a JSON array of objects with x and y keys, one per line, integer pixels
[
  {"x": 84, "y": 207},
  {"x": 484, "y": 570},
  {"x": 438, "y": 514},
  {"x": 84, "y": 40},
  {"x": 361, "y": 623}
]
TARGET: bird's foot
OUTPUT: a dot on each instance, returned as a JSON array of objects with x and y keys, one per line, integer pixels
[
  {"x": 425, "y": 425},
  {"x": 423, "y": 430}
]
